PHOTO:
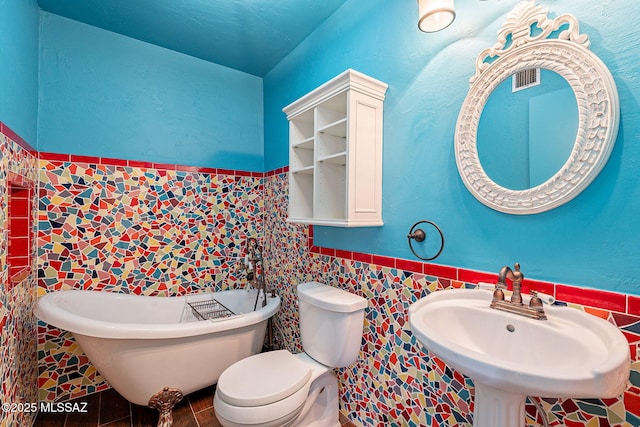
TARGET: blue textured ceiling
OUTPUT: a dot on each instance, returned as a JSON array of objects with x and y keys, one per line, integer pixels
[{"x": 247, "y": 35}]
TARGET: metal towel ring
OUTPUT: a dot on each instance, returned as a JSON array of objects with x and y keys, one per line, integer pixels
[{"x": 419, "y": 235}]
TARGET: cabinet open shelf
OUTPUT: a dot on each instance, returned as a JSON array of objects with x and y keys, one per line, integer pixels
[
  {"x": 336, "y": 159},
  {"x": 337, "y": 128},
  {"x": 307, "y": 170},
  {"x": 306, "y": 144},
  {"x": 301, "y": 157}
]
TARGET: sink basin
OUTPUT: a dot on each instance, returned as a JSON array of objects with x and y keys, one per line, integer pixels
[{"x": 509, "y": 356}]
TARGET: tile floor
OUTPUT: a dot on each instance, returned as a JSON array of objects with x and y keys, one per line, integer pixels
[{"x": 108, "y": 408}]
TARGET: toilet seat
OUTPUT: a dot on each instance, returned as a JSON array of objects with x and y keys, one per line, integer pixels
[
  {"x": 273, "y": 414},
  {"x": 263, "y": 379},
  {"x": 263, "y": 387}
]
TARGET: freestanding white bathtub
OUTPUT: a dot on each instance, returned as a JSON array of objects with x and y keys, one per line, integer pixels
[{"x": 142, "y": 344}]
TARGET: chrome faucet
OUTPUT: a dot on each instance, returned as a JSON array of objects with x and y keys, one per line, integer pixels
[
  {"x": 515, "y": 305},
  {"x": 516, "y": 279},
  {"x": 255, "y": 276}
]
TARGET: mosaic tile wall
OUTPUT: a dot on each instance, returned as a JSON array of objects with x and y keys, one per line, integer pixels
[
  {"x": 395, "y": 382},
  {"x": 149, "y": 229},
  {"x": 18, "y": 359},
  {"x": 130, "y": 221}
]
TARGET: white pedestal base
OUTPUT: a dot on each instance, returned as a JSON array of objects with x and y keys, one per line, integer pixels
[{"x": 497, "y": 408}]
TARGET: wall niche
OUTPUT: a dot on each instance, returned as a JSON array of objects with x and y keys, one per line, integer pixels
[{"x": 19, "y": 227}]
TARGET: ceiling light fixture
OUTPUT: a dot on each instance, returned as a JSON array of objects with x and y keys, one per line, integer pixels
[{"x": 435, "y": 15}]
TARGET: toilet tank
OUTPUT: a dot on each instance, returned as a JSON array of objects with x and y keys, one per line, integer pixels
[{"x": 331, "y": 323}]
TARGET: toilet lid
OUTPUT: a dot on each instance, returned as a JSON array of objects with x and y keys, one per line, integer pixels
[{"x": 262, "y": 379}]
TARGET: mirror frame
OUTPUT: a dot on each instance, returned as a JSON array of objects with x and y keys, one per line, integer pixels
[{"x": 567, "y": 54}]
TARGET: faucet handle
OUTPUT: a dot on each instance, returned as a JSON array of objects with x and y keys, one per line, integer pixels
[
  {"x": 498, "y": 294},
  {"x": 498, "y": 291},
  {"x": 535, "y": 301}
]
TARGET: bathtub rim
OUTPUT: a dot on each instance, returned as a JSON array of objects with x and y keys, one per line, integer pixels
[{"x": 47, "y": 311}]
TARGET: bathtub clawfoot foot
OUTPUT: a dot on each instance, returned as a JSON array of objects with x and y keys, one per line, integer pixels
[{"x": 164, "y": 401}]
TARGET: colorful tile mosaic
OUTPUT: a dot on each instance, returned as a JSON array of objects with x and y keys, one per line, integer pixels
[
  {"x": 134, "y": 230},
  {"x": 127, "y": 226},
  {"x": 395, "y": 381},
  {"x": 18, "y": 357}
]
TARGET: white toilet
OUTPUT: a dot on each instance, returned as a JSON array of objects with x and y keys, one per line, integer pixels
[{"x": 278, "y": 388}]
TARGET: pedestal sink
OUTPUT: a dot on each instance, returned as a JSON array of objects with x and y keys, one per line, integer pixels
[{"x": 572, "y": 354}]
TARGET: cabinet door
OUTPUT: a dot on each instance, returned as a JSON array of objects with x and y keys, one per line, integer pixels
[{"x": 365, "y": 160}]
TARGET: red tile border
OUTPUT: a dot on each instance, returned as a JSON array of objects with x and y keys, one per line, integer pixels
[
  {"x": 633, "y": 305},
  {"x": 443, "y": 271},
  {"x": 327, "y": 251},
  {"x": 226, "y": 171},
  {"x": 409, "y": 265},
  {"x": 165, "y": 166},
  {"x": 344, "y": 254},
  {"x": 384, "y": 261},
  {"x": 55, "y": 156},
  {"x": 362, "y": 257},
  {"x": 74, "y": 158},
  {"x": 537, "y": 285},
  {"x": 61, "y": 157},
  {"x": 113, "y": 162},
  {"x": 276, "y": 172},
  {"x": 592, "y": 298},
  {"x": 183, "y": 168},
  {"x": 6, "y": 130},
  {"x": 472, "y": 276},
  {"x": 140, "y": 164}
]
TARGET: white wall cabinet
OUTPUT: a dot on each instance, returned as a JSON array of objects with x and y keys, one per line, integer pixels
[{"x": 335, "y": 153}]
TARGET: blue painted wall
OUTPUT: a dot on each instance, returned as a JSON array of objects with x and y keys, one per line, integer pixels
[
  {"x": 106, "y": 95},
  {"x": 19, "y": 70},
  {"x": 592, "y": 241}
]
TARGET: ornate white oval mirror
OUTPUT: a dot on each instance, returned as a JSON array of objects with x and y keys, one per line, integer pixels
[{"x": 572, "y": 115}]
